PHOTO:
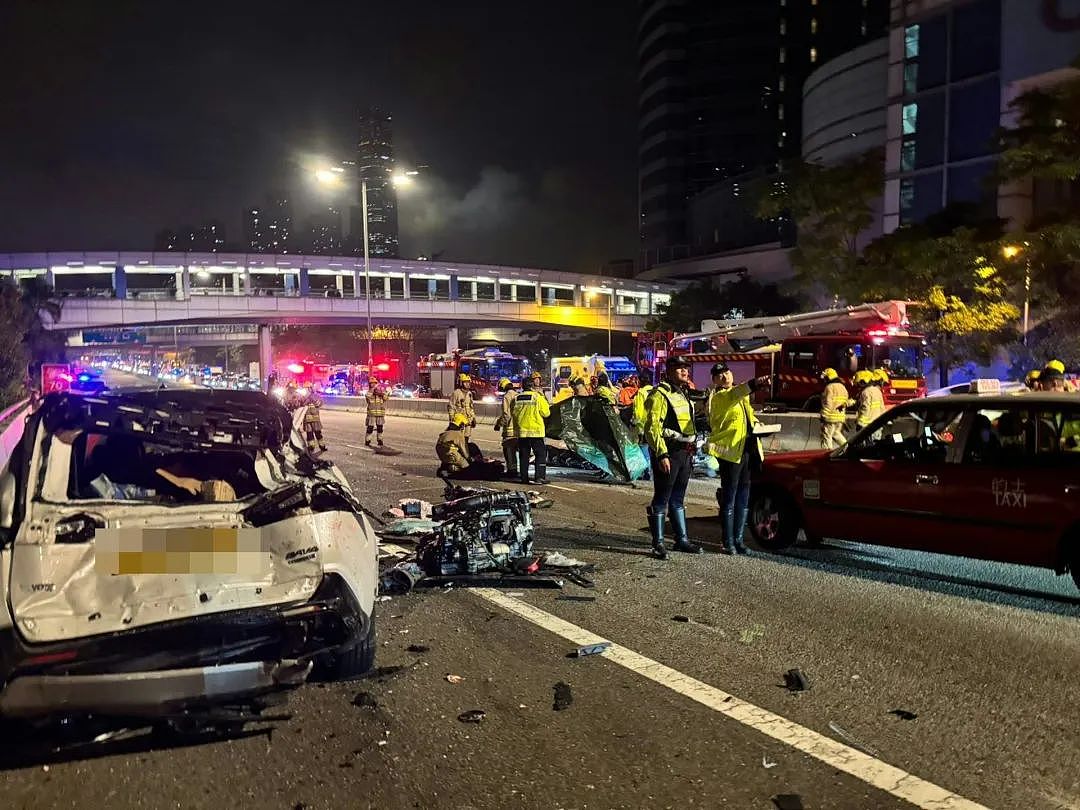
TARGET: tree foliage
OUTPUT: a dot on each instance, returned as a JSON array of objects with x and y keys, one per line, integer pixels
[
  {"x": 832, "y": 206},
  {"x": 1045, "y": 143},
  {"x": 741, "y": 297},
  {"x": 25, "y": 342}
]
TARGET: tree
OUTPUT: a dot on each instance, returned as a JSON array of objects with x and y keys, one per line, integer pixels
[
  {"x": 832, "y": 206},
  {"x": 1045, "y": 143},
  {"x": 232, "y": 357},
  {"x": 12, "y": 352},
  {"x": 739, "y": 298}
]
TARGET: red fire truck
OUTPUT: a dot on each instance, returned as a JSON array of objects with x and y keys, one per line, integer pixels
[
  {"x": 484, "y": 366},
  {"x": 797, "y": 348}
]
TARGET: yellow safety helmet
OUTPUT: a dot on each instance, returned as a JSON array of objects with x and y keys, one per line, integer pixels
[
  {"x": 536, "y": 375},
  {"x": 880, "y": 375},
  {"x": 862, "y": 377},
  {"x": 829, "y": 375},
  {"x": 1055, "y": 365},
  {"x": 1032, "y": 377},
  {"x": 464, "y": 378},
  {"x": 504, "y": 383},
  {"x": 458, "y": 420}
]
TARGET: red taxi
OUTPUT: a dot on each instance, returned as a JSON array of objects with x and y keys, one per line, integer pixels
[{"x": 990, "y": 477}]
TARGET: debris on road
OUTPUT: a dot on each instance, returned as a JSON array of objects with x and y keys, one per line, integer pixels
[
  {"x": 852, "y": 741},
  {"x": 904, "y": 714},
  {"x": 365, "y": 700},
  {"x": 454, "y": 679},
  {"x": 383, "y": 598},
  {"x": 680, "y": 618},
  {"x": 748, "y": 635},
  {"x": 560, "y": 560},
  {"x": 796, "y": 681},
  {"x": 572, "y": 598},
  {"x": 592, "y": 649},
  {"x": 387, "y": 451},
  {"x": 788, "y": 801},
  {"x": 472, "y": 716},
  {"x": 418, "y": 648},
  {"x": 765, "y": 763},
  {"x": 563, "y": 696}
]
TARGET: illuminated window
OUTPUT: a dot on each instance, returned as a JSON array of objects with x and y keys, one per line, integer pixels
[
  {"x": 780, "y": 112},
  {"x": 911, "y": 77},
  {"x": 813, "y": 55},
  {"x": 783, "y": 26},
  {"x": 907, "y": 154},
  {"x": 782, "y": 84},
  {"x": 813, "y": 25},
  {"x": 783, "y": 55},
  {"x": 910, "y": 119},
  {"x": 911, "y": 42}
]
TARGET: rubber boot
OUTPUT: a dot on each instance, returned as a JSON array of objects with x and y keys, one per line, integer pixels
[
  {"x": 678, "y": 525},
  {"x": 656, "y": 529},
  {"x": 740, "y": 531},
  {"x": 541, "y": 474}
]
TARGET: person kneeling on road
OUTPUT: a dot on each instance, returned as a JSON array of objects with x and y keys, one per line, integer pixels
[
  {"x": 737, "y": 450},
  {"x": 452, "y": 447},
  {"x": 672, "y": 439},
  {"x": 529, "y": 411}
]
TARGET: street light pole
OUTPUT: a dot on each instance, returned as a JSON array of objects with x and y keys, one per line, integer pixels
[
  {"x": 1027, "y": 296},
  {"x": 610, "y": 305},
  {"x": 367, "y": 274}
]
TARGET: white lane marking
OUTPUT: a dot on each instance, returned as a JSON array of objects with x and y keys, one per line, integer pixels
[
  {"x": 564, "y": 489},
  {"x": 870, "y": 770}
]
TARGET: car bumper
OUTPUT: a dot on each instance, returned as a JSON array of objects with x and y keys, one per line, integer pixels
[{"x": 207, "y": 660}]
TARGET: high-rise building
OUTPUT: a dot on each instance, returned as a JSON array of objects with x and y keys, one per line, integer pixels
[
  {"x": 324, "y": 233},
  {"x": 720, "y": 108},
  {"x": 206, "y": 238},
  {"x": 375, "y": 164},
  {"x": 268, "y": 228}
]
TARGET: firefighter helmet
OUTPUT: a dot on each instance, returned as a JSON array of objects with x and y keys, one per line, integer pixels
[
  {"x": 829, "y": 375},
  {"x": 458, "y": 420}
]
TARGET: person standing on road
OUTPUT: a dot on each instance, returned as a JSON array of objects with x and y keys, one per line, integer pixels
[
  {"x": 834, "y": 402},
  {"x": 672, "y": 439},
  {"x": 505, "y": 423},
  {"x": 529, "y": 411},
  {"x": 376, "y": 411},
  {"x": 870, "y": 403},
  {"x": 461, "y": 402},
  {"x": 737, "y": 450},
  {"x": 313, "y": 426}
]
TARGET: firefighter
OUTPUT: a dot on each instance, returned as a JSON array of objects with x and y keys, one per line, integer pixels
[
  {"x": 672, "y": 439},
  {"x": 834, "y": 402},
  {"x": 880, "y": 378},
  {"x": 1055, "y": 373},
  {"x": 1031, "y": 380},
  {"x": 461, "y": 401},
  {"x": 737, "y": 451},
  {"x": 313, "y": 426},
  {"x": 629, "y": 390},
  {"x": 452, "y": 448},
  {"x": 869, "y": 400},
  {"x": 529, "y": 411},
  {"x": 505, "y": 423},
  {"x": 376, "y": 411}
]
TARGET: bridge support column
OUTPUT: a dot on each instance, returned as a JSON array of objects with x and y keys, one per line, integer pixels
[
  {"x": 266, "y": 354},
  {"x": 183, "y": 289},
  {"x": 577, "y": 295},
  {"x": 454, "y": 292},
  {"x": 305, "y": 281},
  {"x": 247, "y": 281},
  {"x": 119, "y": 282},
  {"x": 357, "y": 284},
  {"x": 451, "y": 339},
  {"x": 539, "y": 294}
]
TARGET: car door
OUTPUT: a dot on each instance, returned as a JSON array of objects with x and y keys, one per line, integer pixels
[
  {"x": 1017, "y": 486},
  {"x": 890, "y": 484}
]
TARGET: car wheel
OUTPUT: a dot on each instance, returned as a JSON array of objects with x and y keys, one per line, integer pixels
[
  {"x": 347, "y": 663},
  {"x": 774, "y": 519}
]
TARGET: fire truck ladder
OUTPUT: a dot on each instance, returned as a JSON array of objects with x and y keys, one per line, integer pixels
[{"x": 842, "y": 319}]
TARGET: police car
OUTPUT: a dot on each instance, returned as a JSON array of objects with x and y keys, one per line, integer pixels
[{"x": 993, "y": 476}]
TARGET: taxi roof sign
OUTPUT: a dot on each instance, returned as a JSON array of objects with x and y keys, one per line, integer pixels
[{"x": 985, "y": 387}]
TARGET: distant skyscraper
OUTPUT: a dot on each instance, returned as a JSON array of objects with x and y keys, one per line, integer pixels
[
  {"x": 375, "y": 164},
  {"x": 324, "y": 232},
  {"x": 268, "y": 228},
  {"x": 721, "y": 100},
  {"x": 206, "y": 238}
]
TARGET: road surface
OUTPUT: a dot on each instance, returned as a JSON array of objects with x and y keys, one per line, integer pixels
[{"x": 679, "y": 713}]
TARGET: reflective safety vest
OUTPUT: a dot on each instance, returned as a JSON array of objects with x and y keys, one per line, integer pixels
[
  {"x": 506, "y": 418},
  {"x": 834, "y": 401},
  {"x": 461, "y": 402},
  {"x": 637, "y": 407},
  {"x": 669, "y": 418},
  {"x": 871, "y": 404},
  {"x": 731, "y": 419},
  {"x": 376, "y": 401},
  {"x": 530, "y": 409},
  {"x": 606, "y": 393}
]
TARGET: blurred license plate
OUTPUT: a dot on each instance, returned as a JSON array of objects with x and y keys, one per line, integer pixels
[
  {"x": 124, "y": 552},
  {"x": 904, "y": 384}
]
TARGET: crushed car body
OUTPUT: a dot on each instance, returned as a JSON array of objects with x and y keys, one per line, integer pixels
[{"x": 173, "y": 549}]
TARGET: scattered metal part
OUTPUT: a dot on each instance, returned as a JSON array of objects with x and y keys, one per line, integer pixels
[
  {"x": 592, "y": 649},
  {"x": 765, "y": 763},
  {"x": 472, "y": 716},
  {"x": 788, "y": 801},
  {"x": 563, "y": 696},
  {"x": 852, "y": 741},
  {"x": 572, "y": 598},
  {"x": 796, "y": 680},
  {"x": 680, "y": 618},
  {"x": 418, "y": 648},
  {"x": 904, "y": 714}
]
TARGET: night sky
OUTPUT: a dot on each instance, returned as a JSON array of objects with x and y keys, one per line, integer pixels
[{"x": 120, "y": 118}]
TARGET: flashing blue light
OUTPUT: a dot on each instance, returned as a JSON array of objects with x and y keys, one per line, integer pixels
[{"x": 84, "y": 378}]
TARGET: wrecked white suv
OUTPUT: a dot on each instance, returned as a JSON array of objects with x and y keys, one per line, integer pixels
[{"x": 166, "y": 550}]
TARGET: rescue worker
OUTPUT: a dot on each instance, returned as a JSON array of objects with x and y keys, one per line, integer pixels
[
  {"x": 869, "y": 401},
  {"x": 461, "y": 401},
  {"x": 834, "y": 402},
  {"x": 736, "y": 449},
  {"x": 1059, "y": 381},
  {"x": 452, "y": 448},
  {"x": 672, "y": 439},
  {"x": 637, "y": 419},
  {"x": 604, "y": 389},
  {"x": 629, "y": 391},
  {"x": 376, "y": 411},
  {"x": 528, "y": 413},
  {"x": 505, "y": 423},
  {"x": 1031, "y": 380},
  {"x": 313, "y": 426},
  {"x": 880, "y": 378}
]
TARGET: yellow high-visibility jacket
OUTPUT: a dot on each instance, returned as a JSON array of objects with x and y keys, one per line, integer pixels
[
  {"x": 834, "y": 402},
  {"x": 669, "y": 416},
  {"x": 731, "y": 421},
  {"x": 637, "y": 408},
  {"x": 870, "y": 403},
  {"x": 530, "y": 409},
  {"x": 506, "y": 418},
  {"x": 461, "y": 401},
  {"x": 376, "y": 401}
]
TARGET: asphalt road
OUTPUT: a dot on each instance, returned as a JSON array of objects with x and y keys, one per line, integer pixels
[{"x": 679, "y": 713}]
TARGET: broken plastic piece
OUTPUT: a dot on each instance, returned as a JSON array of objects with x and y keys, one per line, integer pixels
[
  {"x": 563, "y": 696},
  {"x": 454, "y": 679},
  {"x": 796, "y": 681},
  {"x": 765, "y": 763},
  {"x": 472, "y": 716},
  {"x": 592, "y": 649},
  {"x": 788, "y": 801},
  {"x": 904, "y": 714}
]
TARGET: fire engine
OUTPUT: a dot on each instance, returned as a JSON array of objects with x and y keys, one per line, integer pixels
[
  {"x": 795, "y": 349},
  {"x": 485, "y": 367}
]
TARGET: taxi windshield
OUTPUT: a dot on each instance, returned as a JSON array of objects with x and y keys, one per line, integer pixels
[{"x": 899, "y": 358}]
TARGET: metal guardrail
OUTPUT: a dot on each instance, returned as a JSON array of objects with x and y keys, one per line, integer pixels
[{"x": 12, "y": 422}]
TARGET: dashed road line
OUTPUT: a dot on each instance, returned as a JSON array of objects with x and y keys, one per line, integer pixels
[{"x": 864, "y": 767}]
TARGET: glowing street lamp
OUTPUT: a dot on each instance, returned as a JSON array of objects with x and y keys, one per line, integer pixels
[{"x": 1011, "y": 252}]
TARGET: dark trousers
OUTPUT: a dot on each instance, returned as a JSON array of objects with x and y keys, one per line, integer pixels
[
  {"x": 669, "y": 488},
  {"x": 510, "y": 455},
  {"x": 537, "y": 447},
  {"x": 734, "y": 497}
]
